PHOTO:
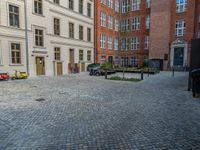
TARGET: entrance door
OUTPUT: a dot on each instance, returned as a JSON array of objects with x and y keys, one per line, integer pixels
[
  {"x": 40, "y": 66},
  {"x": 59, "y": 69},
  {"x": 82, "y": 67},
  {"x": 71, "y": 56},
  {"x": 178, "y": 56}
]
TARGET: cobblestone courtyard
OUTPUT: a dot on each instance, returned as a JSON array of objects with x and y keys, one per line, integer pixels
[{"x": 82, "y": 112}]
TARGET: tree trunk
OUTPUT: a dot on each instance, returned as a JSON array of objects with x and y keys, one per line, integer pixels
[
  {"x": 106, "y": 74},
  {"x": 123, "y": 73}
]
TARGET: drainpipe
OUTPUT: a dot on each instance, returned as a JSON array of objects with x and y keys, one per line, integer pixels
[{"x": 26, "y": 36}]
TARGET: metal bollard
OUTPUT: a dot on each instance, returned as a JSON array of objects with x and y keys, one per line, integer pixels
[
  {"x": 173, "y": 72},
  {"x": 142, "y": 75}
]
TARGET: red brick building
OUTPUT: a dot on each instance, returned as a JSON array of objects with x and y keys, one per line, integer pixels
[{"x": 128, "y": 32}]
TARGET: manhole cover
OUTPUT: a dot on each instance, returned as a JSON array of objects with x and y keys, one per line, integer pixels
[{"x": 40, "y": 99}]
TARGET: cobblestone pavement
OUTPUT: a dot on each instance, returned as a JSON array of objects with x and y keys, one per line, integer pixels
[{"x": 89, "y": 113}]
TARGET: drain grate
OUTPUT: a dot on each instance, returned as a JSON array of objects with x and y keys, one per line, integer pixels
[{"x": 40, "y": 99}]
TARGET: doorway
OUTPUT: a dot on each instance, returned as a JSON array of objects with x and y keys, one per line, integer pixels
[
  {"x": 40, "y": 66},
  {"x": 59, "y": 69},
  {"x": 178, "y": 56}
]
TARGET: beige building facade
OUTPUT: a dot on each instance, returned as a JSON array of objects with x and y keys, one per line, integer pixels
[{"x": 60, "y": 36}]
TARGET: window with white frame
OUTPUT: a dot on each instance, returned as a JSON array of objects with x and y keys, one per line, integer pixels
[
  {"x": 103, "y": 59},
  {"x": 116, "y": 44},
  {"x": 148, "y": 22},
  {"x": 125, "y": 25},
  {"x": 125, "y": 6},
  {"x": 103, "y": 19},
  {"x": 14, "y": 16},
  {"x": 181, "y": 6},
  {"x": 116, "y": 24},
  {"x": 110, "y": 42},
  {"x": 146, "y": 42},
  {"x": 117, "y": 5},
  {"x": 135, "y": 43},
  {"x": 102, "y": 40},
  {"x": 38, "y": 7},
  {"x": 15, "y": 53},
  {"x": 134, "y": 61},
  {"x": 180, "y": 27},
  {"x": 135, "y": 5},
  {"x": 103, "y": 2},
  {"x": 148, "y": 3},
  {"x": 110, "y": 22},
  {"x": 110, "y": 4},
  {"x": 124, "y": 43},
  {"x": 136, "y": 23}
]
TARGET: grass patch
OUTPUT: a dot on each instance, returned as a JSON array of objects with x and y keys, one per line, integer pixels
[{"x": 117, "y": 78}]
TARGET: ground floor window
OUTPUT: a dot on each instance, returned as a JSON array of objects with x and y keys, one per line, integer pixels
[
  {"x": 81, "y": 55},
  {"x": 15, "y": 53},
  {"x": 134, "y": 61},
  {"x": 57, "y": 53},
  {"x": 88, "y": 55},
  {"x": 103, "y": 59}
]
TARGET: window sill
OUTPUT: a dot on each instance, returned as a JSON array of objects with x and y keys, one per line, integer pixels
[
  {"x": 39, "y": 47},
  {"x": 41, "y": 15},
  {"x": 16, "y": 65}
]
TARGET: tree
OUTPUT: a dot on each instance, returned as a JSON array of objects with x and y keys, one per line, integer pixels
[{"x": 106, "y": 66}]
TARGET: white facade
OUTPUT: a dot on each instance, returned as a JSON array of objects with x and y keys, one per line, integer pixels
[{"x": 45, "y": 22}]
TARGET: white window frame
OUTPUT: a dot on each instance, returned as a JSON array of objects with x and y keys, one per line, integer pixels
[
  {"x": 110, "y": 22},
  {"x": 135, "y": 5},
  {"x": 103, "y": 19},
  {"x": 181, "y": 6},
  {"x": 135, "y": 43},
  {"x": 117, "y": 5},
  {"x": 136, "y": 23},
  {"x": 110, "y": 42},
  {"x": 102, "y": 40},
  {"x": 180, "y": 28}
]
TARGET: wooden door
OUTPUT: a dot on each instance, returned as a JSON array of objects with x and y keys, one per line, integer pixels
[
  {"x": 59, "y": 69},
  {"x": 40, "y": 66},
  {"x": 82, "y": 67}
]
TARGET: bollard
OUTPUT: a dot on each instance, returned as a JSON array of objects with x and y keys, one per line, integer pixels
[
  {"x": 173, "y": 72},
  {"x": 148, "y": 71},
  {"x": 142, "y": 75}
]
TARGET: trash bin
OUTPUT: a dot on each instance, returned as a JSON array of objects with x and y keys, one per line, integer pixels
[{"x": 195, "y": 74}]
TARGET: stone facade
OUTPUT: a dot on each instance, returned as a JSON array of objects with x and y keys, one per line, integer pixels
[{"x": 45, "y": 23}]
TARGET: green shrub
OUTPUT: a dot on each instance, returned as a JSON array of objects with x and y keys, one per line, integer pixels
[{"x": 126, "y": 79}]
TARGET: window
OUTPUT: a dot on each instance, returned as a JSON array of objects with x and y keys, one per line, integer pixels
[
  {"x": 110, "y": 42},
  {"x": 56, "y": 26},
  {"x": 125, "y": 6},
  {"x": 135, "y": 43},
  {"x": 181, "y": 6},
  {"x": 136, "y": 23},
  {"x": 103, "y": 2},
  {"x": 146, "y": 42},
  {"x": 71, "y": 4},
  {"x": 110, "y": 22},
  {"x": 56, "y": 1},
  {"x": 110, "y": 4},
  {"x": 88, "y": 34},
  {"x": 148, "y": 3},
  {"x": 148, "y": 22},
  {"x": 80, "y": 32},
  {"x": 125, "y": 25},
  {"x": 198, "y": 34},
  {"x": 103, "y": 59},
  {"x": 116, "y": 24},
  {"x": 116, "y": 44},
  {"x": 15, "y": 53},
  {"x": 71, "y": 30},
  {"x": 117, "y": 5},
  {"x": 135, "y": 5},
  {"x": 103, "y": 19},
  {"x": 81, "y": 55},
  {"x": 180, "y": 27},
  {"x": 14, "y": 16},
  {"x": 88, "y": 9},
  {"x": 89, "y": 55},
  {"x": 38, "y": 7},
  {"x": 103, "y": 40},
  {"x": 124, "y": 61},
  {"x": 134, "y": 61},
  {"x": 39, "y": 39},
  {"x": 57, "y": 53},
  {"x": 124, "y": 43},
  {"x": 80, "y": 6}
]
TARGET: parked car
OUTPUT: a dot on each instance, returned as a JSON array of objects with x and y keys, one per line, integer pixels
[
  {"x": 91, "y": 66},
  {"x": 99, "y": 72},
  {"x": 19, "y": 75},
  {"x": 4, "y": 76}
]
